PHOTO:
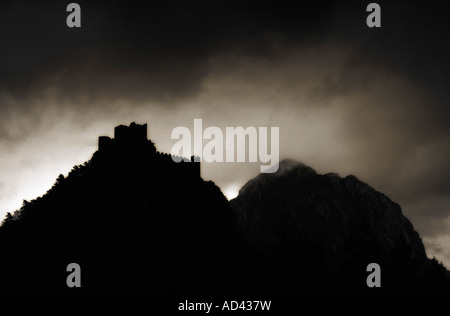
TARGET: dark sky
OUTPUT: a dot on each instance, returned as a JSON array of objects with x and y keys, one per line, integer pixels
[{"x": 347, "y": 98}]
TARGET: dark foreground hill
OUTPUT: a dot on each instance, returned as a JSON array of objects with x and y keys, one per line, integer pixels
[
  {"x": 138, "y": 223},
  {"x": 134, "y": 220}
]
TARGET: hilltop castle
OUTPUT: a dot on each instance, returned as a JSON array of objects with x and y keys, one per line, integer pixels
[{"x": 131, "y": 142}]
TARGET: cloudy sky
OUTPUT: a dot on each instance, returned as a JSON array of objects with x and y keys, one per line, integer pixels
[{"x": 347, "y": 98}]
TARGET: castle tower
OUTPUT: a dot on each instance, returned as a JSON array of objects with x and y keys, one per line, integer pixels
[
  {"x": 132, "y": 133},
  {"x": 126, "y": 137},
  {"x": 104, "y": 143}
]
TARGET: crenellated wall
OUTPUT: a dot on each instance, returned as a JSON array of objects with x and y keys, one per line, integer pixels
[{"x": 133, "y": 139}]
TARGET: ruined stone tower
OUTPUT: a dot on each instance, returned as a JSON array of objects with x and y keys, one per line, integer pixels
[{"x": 133, "y": 140}]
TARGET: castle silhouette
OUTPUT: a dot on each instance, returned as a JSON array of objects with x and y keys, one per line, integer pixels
[
  {"x": 139, "y": 223},
  {"x": 136, "y": 221},
  {"x": 132, "y": 143}
]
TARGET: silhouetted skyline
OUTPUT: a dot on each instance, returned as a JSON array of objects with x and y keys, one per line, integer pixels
[
  {"x": 347, "y": 99},
  {"x": 136, "y": 222}
]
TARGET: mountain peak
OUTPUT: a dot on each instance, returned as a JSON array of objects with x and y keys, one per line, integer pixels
[
  {"x": 332, "y": 224},
  {"x": 288, "y": 165}
]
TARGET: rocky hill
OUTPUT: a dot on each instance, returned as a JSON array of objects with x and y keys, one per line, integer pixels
[
  {"x": 138, "y": 223},
  {"x": 332, "y": 228},
  {"x": 135, "y": 221}
]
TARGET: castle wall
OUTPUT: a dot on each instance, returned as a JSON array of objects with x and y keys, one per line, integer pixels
[
  {"x": 104, "y": 143},
  {"x": 133, "y": 139},
  {"x": 191, "y": 167},
  {"x": 131, "y": 133}
]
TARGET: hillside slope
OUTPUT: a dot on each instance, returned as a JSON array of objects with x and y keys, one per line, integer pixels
[{"x": 332, "y": 228}]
